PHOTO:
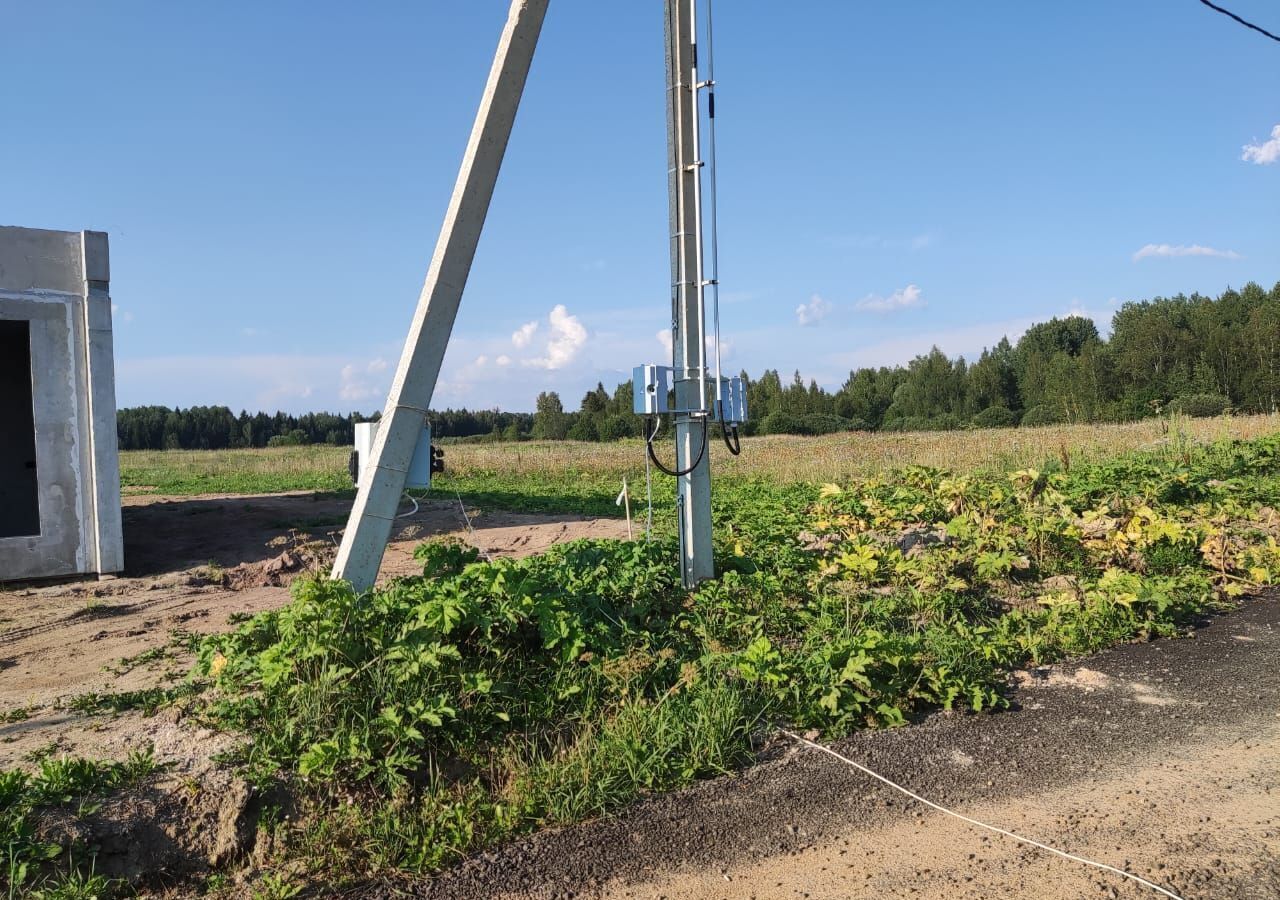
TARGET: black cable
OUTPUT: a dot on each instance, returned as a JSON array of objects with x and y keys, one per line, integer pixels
[
  {"x": 653, "y": 457},
  {"x": 736, "y": 446},
  {"x": 1229, "y": 14}
]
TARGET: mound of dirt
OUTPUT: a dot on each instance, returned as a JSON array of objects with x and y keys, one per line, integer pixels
[
  {"x": 279, "y": 570},
  {"x": 169, "y": 827}
]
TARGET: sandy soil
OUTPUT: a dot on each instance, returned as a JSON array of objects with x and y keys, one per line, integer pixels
[
  {"x": 1161, "y": 758},
  {"x": 192, "y": 563},
  {"x": 1206, "y": 817}
]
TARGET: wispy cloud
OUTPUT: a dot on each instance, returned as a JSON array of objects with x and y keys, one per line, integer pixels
[
  {"x": 1264, "y": 153},
  {"x": 524, "y": 334},
  {"x": 664, "y": 338},
  {"x": 967, "y": 341},
  {"x": 1154, "y": 251},
  {"x": 726, "y": 347},
  {"x": 906, "y": 298},
  {"x": 921, "y": 241},
  {"x": 814, "y": 311},
  {"x": 357, "y": 384},
  {"x": 258, "y": 381}
]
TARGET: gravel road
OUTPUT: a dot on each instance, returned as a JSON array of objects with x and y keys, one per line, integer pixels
[{"x": 1162, "y": 758}]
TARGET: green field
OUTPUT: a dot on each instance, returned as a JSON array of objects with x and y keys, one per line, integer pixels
[
  {"x": 562, "y": 476},
  {"x": 558, "y": 688},
  {"x": 864, "y": 581}
]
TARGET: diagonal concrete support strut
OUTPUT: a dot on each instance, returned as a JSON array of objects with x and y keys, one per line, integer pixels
[{"x": 383, "y": 480}]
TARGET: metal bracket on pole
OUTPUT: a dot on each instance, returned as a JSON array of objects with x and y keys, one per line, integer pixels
[{"x": 373, "y": 515}]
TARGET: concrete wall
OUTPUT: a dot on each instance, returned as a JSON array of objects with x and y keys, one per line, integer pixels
[{"x": 59, "y": 282}]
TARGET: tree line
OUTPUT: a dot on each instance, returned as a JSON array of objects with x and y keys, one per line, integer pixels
[
  {"x": 1192, "y": 354},
  {"x": 218, "y": 428}
]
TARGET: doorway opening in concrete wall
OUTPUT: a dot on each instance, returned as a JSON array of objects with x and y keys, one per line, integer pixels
[{"x": 19, "y": 482}]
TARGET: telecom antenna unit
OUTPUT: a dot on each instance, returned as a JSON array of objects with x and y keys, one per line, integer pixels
[{"x": 700, "y": 398}]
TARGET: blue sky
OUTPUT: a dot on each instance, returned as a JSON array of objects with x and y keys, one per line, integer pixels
[{"x": 892, "y": 175}]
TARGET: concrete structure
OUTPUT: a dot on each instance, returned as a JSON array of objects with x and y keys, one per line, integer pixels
[
  {"x": 383, "y": 478},
  {"x": 59, "y": 464},
  {"x": 688, "y": 285}
]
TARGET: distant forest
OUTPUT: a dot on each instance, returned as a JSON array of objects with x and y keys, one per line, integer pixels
[{"x": 1197, "y": 355}]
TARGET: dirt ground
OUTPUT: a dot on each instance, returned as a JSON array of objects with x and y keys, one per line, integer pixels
[
  {"x": 1163, "y": 758},
  {"x": 1208, "y": 815},
  {"x": 1160, "y": 758},
  {"x": 192, "y": 563}
]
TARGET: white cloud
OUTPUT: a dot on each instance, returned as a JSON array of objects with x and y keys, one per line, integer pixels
[
  {"x": 356, "y": 385},
  {"x": 503, "y": 360},
  {"x": 123, "y": 314},
  {"x": 295, "y": 382},
  {"x": 967, "y": 341},
  {"x": 726, "y": 347},
  {"x": 905, "y": 298},
  {"x": 1264, "y": 153},
  {"x": 664, "y": 338},
  {"x": 1151, "y": 251},
  {"x": 250, "y": 332},
  {"x": 814, "y": 311},
  {"x": 481, "y": 360},
  {"x": 524, "y": 334},
  {"x": 567, "y": 338}
]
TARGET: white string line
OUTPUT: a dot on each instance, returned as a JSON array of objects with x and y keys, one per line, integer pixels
[
  {"x": 1010, "y": 834},
  {"x": 466, "y": 518}
]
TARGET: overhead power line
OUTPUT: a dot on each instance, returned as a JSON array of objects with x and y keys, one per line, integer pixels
[{"x": 1228, "y": 13}]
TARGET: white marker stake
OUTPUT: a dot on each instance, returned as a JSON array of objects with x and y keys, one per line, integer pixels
[{"x": 625, "y": 498}]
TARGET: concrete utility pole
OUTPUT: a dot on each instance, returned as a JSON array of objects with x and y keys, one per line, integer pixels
[
  {"x": 383, "y": 481},
  {"x": 689, "y": 348}
]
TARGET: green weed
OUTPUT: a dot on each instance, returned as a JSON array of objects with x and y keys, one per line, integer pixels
[
  {"x": 32, "y": 866},
  {"x": 147, "y": 700},
  {"x": 443, "y": 713}
]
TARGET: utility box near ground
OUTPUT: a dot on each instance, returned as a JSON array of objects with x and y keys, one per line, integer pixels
[
  {"x": 427, "y": 458},
  {"x": 59, "y": 462}
]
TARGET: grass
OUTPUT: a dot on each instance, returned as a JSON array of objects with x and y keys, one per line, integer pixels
[
  {"x": 148, "y": 701},
  {"x": 30, "y": 866},
  {"x": 441, "y": 714},
  {"x": 266, "y": 471},
  {"x": 569, "y": 476}
]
